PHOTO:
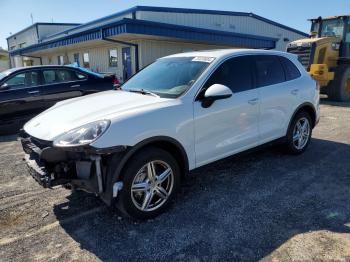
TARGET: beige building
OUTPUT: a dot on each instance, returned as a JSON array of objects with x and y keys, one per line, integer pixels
[
  {"x": 4, "y": 60},
  {"x": 30, "y": 36},
  {"x": 127, "y": 41}
]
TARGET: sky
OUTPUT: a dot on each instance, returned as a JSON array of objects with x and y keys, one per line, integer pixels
[{"x": 15, "y": 15}]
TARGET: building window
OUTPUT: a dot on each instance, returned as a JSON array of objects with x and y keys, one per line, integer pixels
[
  {"x": 76, "y": 58},
  {"x": 28, "y": 62},
  {"x": 113, "y": 58},
  {"x": 13, "y": 47},
  {"x": 86, "y": 60},
  {"x": 21, "y": 45},
  {"x": 60, "y": 60}
]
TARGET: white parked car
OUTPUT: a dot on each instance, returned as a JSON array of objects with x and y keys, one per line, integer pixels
[{"x": 132, "y": 146}]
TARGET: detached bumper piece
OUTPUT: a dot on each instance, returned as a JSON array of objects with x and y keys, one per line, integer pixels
[{"x": 38, "y": 172}]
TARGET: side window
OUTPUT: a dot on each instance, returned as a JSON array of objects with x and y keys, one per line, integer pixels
[
  {"x": 16, "y": 82},
  {"x": 292, "y": 72},
  {"x": 23, "y": 80},
  {"x": 268, "y": 70},
  {"x": 234, "y": 73},
  {"x": 49, "y": 76},
  {"x": 54, "y": 76},
  {"x": 79, "y": 76},
  {"x": 64, "y": 76},
  {"x": 32, "y": 79}
]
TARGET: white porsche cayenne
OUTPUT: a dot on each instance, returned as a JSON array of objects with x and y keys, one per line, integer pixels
[{"x": 132, "y": 146}]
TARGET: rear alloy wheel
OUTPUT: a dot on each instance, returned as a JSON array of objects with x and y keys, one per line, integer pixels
[
  {"x": 150, "y": 181},
  {"x": 299, "y": 133}
]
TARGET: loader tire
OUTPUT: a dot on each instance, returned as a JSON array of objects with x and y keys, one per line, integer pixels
[{"x": 339, "y": 88}]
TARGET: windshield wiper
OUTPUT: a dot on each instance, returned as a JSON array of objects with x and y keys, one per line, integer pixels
[{"x": 142, "y": 91}]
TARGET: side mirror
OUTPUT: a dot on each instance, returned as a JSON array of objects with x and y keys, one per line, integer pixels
[
  {"x": 4, "y": 86},
  {"x": 215, "y": 92}
]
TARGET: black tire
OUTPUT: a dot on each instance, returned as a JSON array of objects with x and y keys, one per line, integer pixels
[
  {"x": 125, "y": 202},
  {"x": 290, "y": 143},
  {"x": 339, "y": 88}
]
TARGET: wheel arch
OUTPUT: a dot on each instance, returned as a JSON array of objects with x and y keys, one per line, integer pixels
[
  {"x": 118, "y": 161},
  {"x": 307, "y": 107},
  {"x": 166, "y": 143}
]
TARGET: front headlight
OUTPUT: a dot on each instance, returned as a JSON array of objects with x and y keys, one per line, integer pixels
[{"x": 83, "y": 135}]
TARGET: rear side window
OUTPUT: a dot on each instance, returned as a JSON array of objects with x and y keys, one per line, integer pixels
[
  {"x": 269, "y": 70},
  {"x": 79, "y": 76},
  {"x": 235, "y": 73},
  {"x": 49, "y": 76},
  {"x": 54, "y": 76},
  {"x": 292, "y": 72},
  {"x": 64, "y": 76}
]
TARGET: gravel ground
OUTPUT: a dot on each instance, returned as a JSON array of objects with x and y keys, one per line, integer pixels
[{"x": 259, "y": 206}]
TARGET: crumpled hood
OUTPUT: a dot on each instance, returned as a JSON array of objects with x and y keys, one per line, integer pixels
[{"x": 72, "y": 113}]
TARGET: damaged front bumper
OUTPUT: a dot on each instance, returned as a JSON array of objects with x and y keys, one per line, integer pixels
[{"x": 84, "y": 168}]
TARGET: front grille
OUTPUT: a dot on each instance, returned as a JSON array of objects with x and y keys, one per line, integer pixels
[
  {"x": 31, "y": 144},
  {"x": 303, "y": 53}
]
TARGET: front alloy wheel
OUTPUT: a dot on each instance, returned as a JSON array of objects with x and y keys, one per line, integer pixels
[
  {"x": 150, "y": 180},
  {"x": 152, "y": 185}
]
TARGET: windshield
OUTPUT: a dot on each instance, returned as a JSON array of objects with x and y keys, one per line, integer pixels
[
  {"x": 5, "y": 73},
  {"x": 332, "y": 28},
  {"x": 169, "y": 77}
]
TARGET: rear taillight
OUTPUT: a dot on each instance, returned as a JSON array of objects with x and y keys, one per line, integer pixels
[{"x": 116, "y": 82}]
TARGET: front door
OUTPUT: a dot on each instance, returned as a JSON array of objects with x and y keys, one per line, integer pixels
[
  {"x": 126, "y": 57},
  {"x": 230, "y": 125},
  {"x": 20, "y": 97}
]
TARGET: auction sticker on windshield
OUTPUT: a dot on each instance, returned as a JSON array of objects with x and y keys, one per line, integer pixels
[{"x": 205, "y": 59}]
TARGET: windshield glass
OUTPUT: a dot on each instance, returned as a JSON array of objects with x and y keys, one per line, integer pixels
[
  {"x": 169, "y": 77},
  {"x": 5, "y": 73},
  {"x": 332, "y": 28}
]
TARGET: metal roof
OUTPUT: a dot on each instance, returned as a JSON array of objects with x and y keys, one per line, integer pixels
[
  {"x": 41, "y": 23},
  {"x": 176, "y": 10},
  {"x": 142, "y": 27}
]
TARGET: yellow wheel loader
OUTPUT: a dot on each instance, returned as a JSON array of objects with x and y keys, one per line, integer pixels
[{"x": 326, "y": 55}]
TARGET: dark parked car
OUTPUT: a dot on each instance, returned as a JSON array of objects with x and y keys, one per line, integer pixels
[{"x": 25, "y": 92}]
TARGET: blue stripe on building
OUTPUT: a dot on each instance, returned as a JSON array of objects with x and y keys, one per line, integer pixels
[{"x": 142, "y": 27}]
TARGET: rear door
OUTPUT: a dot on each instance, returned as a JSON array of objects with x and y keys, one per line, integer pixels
[
  {"x": 21, "y": 97},
  {"x": 60, "y": 84},
  {"x": 279, "y": 95}
]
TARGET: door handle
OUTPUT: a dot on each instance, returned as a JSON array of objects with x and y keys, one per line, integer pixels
[
  {"x": 253, "y": 101},
  {"x": 75, "y": 86},
  {"x": 294, "y": 92},
  {"x": 33, "y": 92}
]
